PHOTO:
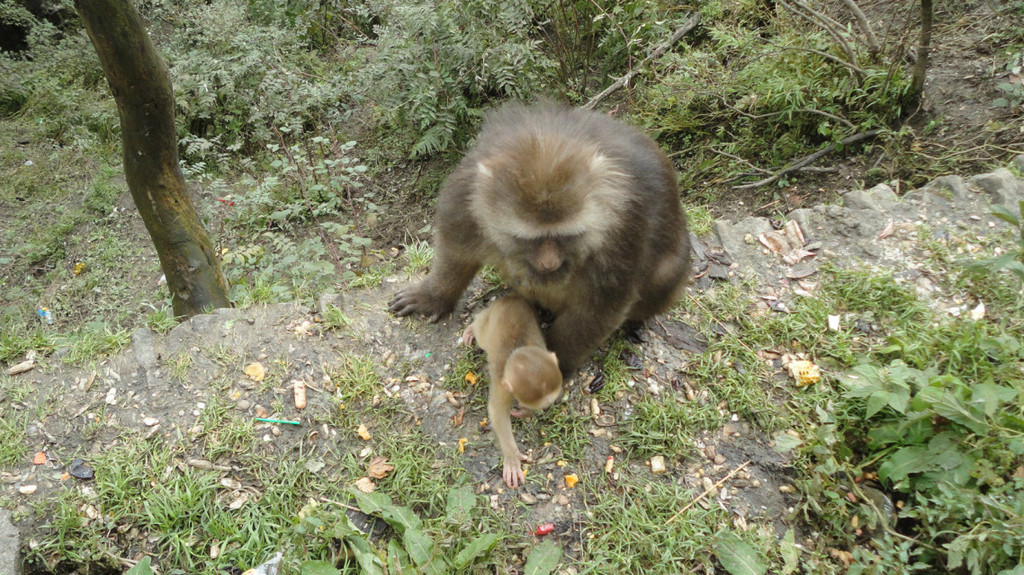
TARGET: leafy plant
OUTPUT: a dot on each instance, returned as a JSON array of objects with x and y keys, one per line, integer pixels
[
  {"x": 1013, "y": 92},
  {"x": 1013, "y": 260},
  {"x": 438, "y": 63},
  {"x": 416, "y": 546}
]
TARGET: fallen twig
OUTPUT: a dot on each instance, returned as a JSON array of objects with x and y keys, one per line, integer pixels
[
  {"x": 658, "y": 51},
  {"x": 810, "y": 158},
  {"x": 708, "y": 490}
]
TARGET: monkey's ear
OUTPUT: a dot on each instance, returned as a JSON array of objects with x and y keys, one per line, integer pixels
[
  {"x": 554, "y": 357},
  {"x": 483, "y": 169}
]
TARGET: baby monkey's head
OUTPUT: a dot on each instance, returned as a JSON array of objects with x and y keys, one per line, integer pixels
[{"x": 533, "y": 377}]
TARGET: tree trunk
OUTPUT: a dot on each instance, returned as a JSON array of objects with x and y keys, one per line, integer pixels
[
  {"x": 923, "y": 45},
  {"x": 141, "y": 85}
]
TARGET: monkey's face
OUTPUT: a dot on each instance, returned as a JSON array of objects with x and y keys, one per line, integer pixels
[{"x": 546, "y": 205}]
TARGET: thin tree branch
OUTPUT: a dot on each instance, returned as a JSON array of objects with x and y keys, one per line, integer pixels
[
  {"x": 810, "y": 158},
  {"x": 683, "y": 30},
  {"x": 865, "y": 27}
]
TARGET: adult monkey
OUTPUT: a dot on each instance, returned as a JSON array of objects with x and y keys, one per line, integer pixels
[{"x": 580, "y": 214}]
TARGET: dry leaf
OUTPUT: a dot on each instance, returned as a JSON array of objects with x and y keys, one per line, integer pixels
[
  {"x": 889, "y": 228},
  {"x": 366, "y": 485},
  {"x": 364, "y": 434},
  {"x": 379, "y": 467},
  {"x": 458, "y": 417},
  {"x": 239, "y": 501},
  {"x": 255, "y": 371}
]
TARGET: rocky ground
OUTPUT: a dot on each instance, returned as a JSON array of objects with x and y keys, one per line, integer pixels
[{"x": 162, "y": 383}]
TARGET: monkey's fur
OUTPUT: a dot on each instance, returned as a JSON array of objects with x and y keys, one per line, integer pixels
[
  {"x": 580, "y": 214},
  {"x": 518, "y": 366}
]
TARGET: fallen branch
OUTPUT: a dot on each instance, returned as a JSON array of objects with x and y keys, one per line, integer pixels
[
  {"x": 657, "y": 52},
  {"x": 706, "y": 491},
  {"x": 799, "y": 164}
]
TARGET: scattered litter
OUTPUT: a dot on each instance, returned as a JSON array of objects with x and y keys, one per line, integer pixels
[
  {"x": 462, "y": 444},
  {"x": 266, "y": 420},
  {"x": 833, "y": 322},
  {"x": 79, "y": 470},
  {"x": 27, "y": 365},
  {"x": 658, "y": 465},
  {"x": 471, "y": 378},
  {"x": 39, "y": 458},
  {"x": 79, "y": 269},
  {"x": 299, "y": 391},
  {"x": 597, "y": 383},
  {"x": 609, "y": 464},
  {"x": 150, "y": 421},
  {"x": 45, "y": 315},
  {"x": 978, "y": 313},
  {"x": 27, "y": 489},
  {"x": 804, "y": 372},
  {"x": 255, "y": 371},
  {"x": 363, "y": 433},
  {"x": 111, "y": 397},
  {"x": 544, "y": 529},
  {"x": 267, "y": 568},
  {"x": 571, "y": 480}
]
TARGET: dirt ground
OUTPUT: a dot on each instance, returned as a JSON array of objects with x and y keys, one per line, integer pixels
[{"x": 414, "y": 358}]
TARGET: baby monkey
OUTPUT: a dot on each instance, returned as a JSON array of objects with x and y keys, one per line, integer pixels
[{"x": 520, "y": 366}]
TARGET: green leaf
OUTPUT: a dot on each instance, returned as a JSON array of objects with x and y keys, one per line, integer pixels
[
  {"x": 737, "y": 556},
  {"x": 476, "y": 548},
  {"x": 1002, "y": 212},
  {"x": 460, "y": 505},
  {"x": 419, "y": 546},
  {"x": 790, "y": 553},
  {"x": 543, "y": 558},
  {"x": 991, "y": 396},
  {"x": 317, "y": 568},
  {"x": 367, "y": 559},
  {"x": 876, "y": 401},
  {"x": 899, "y": 466},
  {"x": 785, "y": 442},
  {"x": 397, "y": 516},
  {"x": 142, "y": 567},
  {"x": 398, "y": 558}
]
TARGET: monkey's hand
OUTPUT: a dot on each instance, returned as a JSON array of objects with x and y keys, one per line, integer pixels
[
  {"x": 419, "y": 299},
  {"x": 468, "y": 335},
  {"x": 512, "y": 472}
]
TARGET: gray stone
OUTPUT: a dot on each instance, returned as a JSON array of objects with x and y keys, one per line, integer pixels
[
  {"x": 730, "y": 236},
  {"x": 948, "y": 188},
  {"x": 330, "y": 299},
  {"x": 1001, "y": 187},
  {"x": 878, "y": 198},
  {"x": 10, "y": 546},
  {"x": 1018, "y": 163}
]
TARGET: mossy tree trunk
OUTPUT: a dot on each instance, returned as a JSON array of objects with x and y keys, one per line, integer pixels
[
  {"x": 141, "y": 85},
  {"x": 923, "y": 47}
]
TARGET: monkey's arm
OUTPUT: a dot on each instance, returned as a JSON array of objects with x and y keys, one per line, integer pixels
[
  {"x": 499, "y": 407},
  {"x": 436, "y": 296},
  {"x": 579, "y": 330}
]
